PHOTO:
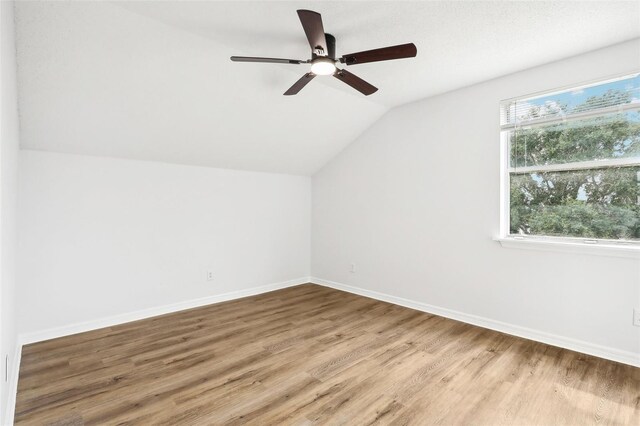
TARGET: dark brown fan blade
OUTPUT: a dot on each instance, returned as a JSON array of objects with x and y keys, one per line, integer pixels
[
  {"x": 312, "y": 24},
  {"x": 355, "y": 82},
  {"x": 298, "y": 85},
  {"x": 268, "y": 60},
  {"x": 383, "y": 54}
]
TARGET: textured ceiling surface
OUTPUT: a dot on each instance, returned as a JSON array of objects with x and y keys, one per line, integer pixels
[{"x": 153, "y": 80}]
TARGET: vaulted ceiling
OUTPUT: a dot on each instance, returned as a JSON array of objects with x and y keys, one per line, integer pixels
[{"x": 153, "y": 80}]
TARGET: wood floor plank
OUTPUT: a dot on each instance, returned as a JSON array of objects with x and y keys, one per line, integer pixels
[{"x": 311, "y": 355}]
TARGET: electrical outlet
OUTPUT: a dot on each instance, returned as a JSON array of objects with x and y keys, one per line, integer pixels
[
  {"x": 636, "y": 317},
  {"x": 209, "y": 275},
  {"x": 353, "y": 268}
]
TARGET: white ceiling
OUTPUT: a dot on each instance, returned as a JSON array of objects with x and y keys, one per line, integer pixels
[{"x": 153, "y": 80}]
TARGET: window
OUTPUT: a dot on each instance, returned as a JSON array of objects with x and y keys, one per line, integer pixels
[{"x": 571, "y": 164}]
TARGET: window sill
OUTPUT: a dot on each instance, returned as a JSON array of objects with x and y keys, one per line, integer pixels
[{"x": 613, "y": 250}]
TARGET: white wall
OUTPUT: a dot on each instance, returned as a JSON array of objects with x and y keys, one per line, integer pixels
[
  {"x": 414, "y": 203},
  {"x": 9, "y": 137},
  {"x": 103, "y": 237}
]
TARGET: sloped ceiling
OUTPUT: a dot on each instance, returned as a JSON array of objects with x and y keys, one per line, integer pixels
[{"x": 153, "y": 80}]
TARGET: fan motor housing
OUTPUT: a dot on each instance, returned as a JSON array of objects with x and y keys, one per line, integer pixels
[{"x": 331, "y": 47}]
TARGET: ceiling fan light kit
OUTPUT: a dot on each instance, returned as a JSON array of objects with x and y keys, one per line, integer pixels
[
  {"x": 323, "y": 56},
  {"x": 323, "y": 66}
]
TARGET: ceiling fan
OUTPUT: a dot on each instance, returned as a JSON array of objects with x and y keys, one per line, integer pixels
[{"x": 323, "y": 56}]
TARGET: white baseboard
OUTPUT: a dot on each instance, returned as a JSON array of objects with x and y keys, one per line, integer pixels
[
  {"x": 13, "y": 385},
  {"x": 527, "y": 333},
  {"x": 81, "y": 327}
]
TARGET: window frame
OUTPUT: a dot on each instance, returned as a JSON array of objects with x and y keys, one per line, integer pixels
[{"x": 607, "y": 247}]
